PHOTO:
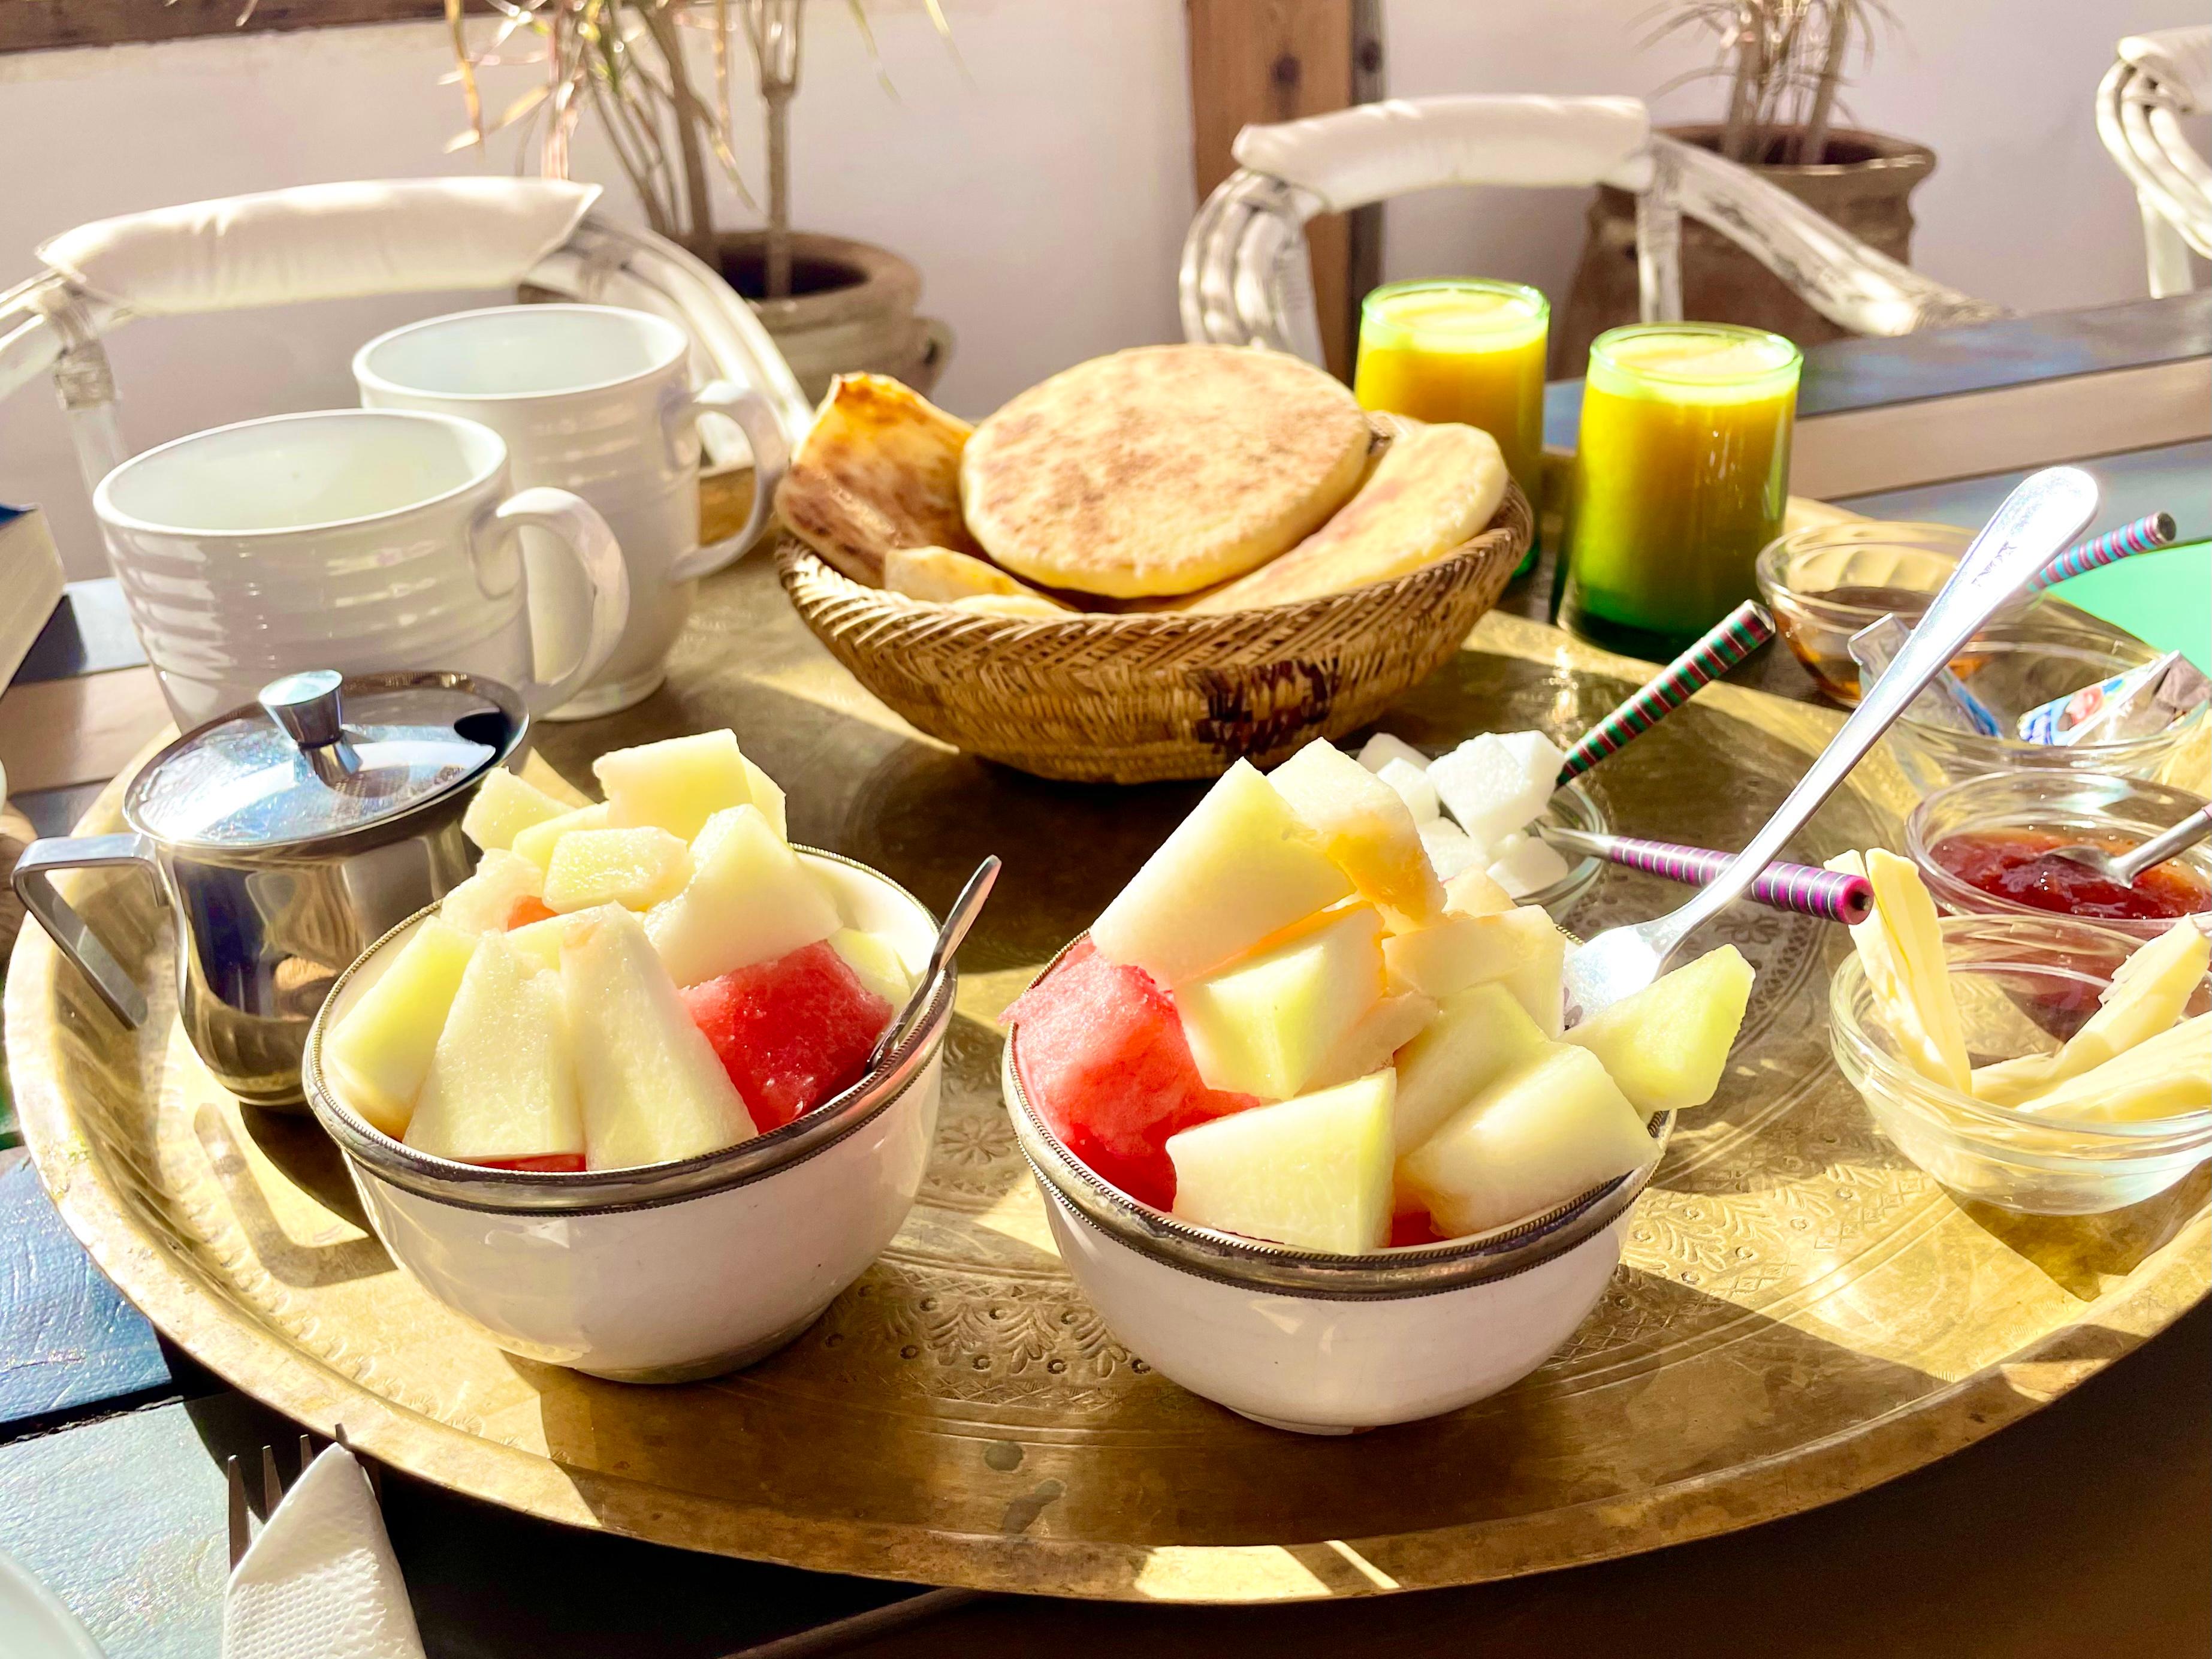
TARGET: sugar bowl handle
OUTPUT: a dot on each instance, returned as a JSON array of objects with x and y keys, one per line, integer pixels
[{"x": 33, "y": 882}]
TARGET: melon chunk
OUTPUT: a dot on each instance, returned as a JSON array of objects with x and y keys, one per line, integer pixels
[
  {"x": 877, "y": 962},
  {"x": 1522, "y": 865},
  {"x": 1240, "y": 867},
  {"x": 1313, "y": 1172},
  {"x": 1450, "y": 850},
  {"x": 1495, "y": 783},
  {"x": 1518, "y": 947},
  {"x": 1366, "y": 829},
  {"x": 380, "y": 1050},
  {"x": 1667, "y": 1045},
  {"x": 767, "y": 795},
  {"x": 2159, "y": 1077},
  {"x": 1384, "y": 1028},
  {"x": 538, "y": 842},
  {"x": 487, "y": 901},
  {"x": 503, "y": 807},
  {"x": 1547, "y": 1132},
  {"x": 652, "y": 1089},
  {"x": 1410, "y": 785},
  {"x": 1263, "y": 1025},
  {"x": 1103, "y": 1058},
  {"x": 1381, "y": 750},
  {"x": 1472, "y": 893},
  {"x": 679, "y": 784},
  {"x": 2151, "y": 991},
  {"x": 502, "y": 1085},
  {"x": 538, "y": 943},
  {"x": 634, "y": 868},
  {"x": 1478, "y": 1034},
  {"x": 791, "y": 1032},
  {"x": 749, "y": 900}
]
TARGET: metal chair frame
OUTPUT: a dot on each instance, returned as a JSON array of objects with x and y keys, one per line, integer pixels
[{"x": 2157, "y": 79}]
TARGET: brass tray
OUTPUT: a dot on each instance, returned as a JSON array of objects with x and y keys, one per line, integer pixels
[{"x": 1801, "y": 1313}]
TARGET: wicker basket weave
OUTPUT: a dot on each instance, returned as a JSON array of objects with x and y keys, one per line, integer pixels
[{"x": 1133, "y": 699}]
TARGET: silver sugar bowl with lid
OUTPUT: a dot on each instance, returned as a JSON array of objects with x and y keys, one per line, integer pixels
[{"x": 285, "y": 838}]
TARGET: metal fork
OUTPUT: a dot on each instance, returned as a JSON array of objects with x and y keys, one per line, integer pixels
[
  {"x": 272, "y": 1488},
  {"x": 2037, "y": 519}
]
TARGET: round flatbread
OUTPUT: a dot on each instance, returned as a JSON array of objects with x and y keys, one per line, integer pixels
[{"x": 1162, "y": 470}]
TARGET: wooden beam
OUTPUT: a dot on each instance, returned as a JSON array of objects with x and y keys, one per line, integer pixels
[
  {"x": 1276, "y": 60},
  {"x": 44, "y": 25}
]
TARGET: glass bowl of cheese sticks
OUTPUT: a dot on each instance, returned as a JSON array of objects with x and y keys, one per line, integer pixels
[{"x": 2044, "y": 1065}]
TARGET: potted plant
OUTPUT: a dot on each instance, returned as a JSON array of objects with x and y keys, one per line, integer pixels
[
  {"x": 1784, "y": 64},
  {"x": 833, "y": 305}
]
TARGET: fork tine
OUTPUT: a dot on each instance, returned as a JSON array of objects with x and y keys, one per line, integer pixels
[
  {"x": 241, "y": 1530},
  {"x": 307, "y": 1451},
  {"x": 367, "y": 1467},
  {"x": 272, "y": 1484}
]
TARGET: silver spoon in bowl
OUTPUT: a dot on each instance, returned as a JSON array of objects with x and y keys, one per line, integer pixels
[
  {"x": 2037, "y": 519},
  {"x": 2123, "y": 868},
  {"x": 958, "y": 921}
]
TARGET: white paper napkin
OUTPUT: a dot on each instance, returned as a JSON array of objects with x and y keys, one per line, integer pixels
[{"x": 321, "y": 1582}]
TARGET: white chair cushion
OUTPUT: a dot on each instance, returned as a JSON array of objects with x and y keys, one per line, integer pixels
[
  {"x": 1371, "y": 152},
  {"x": 322, "y": 242}
]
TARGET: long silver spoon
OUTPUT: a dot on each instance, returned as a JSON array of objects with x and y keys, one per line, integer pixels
[
  {"x": 2037, "y": 519},
  {"x": 958, "y": 921},
  {"x": 2124, "y": 867}
]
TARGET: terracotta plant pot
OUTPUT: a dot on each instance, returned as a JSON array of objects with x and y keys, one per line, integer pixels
[
  {"x": 1862, "y": 184},
  {"x": 851, "y": 308}
]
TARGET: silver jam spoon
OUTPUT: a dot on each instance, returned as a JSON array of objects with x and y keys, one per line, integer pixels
[
  {"x": 2037, "y": 519},
  {"x": 2123, "y": 868},
  {"x": 958, "y": 921}
]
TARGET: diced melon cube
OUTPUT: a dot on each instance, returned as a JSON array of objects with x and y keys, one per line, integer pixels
[
  {"x": 767, "y": 795},
  {"x": 1478, "y": 1034},
  {"x": 536, "y": 842},
  {"x": 1313, "y": 1172},
  {"x": 1379, "y": 750},
  {"x": 1547, "y": 1132},
  {"x": 1522, "y": 865},
  {"x": 503, "y": 807},
  {"x": 652, "y": 1089},
  {"x": 675, "y": 785},
  {"x": 1472, "y": 893},
  {"x": 538, "y": 943},
  {"x": 1412, "y": 785},
  {"x": 1380, "y": 1032},
  {"x": 381, "y": 1049},
  {"x": 1263, "y": 1025},
  {"x": 1519, "y": 948},
  {"x": 1494, "y": 784},
  {"x": 1449, "y": 849},
  {"x": 876, "y": 960},
  {"x": 749, "y": 900},
  {"x": 501, "y": 1083},
  {"x": 486, "y": 902},
  {"x": 1240, "y": 867},
  {"x": 1668, "y": 1044},
  {"x": 634, "y": 868},
  {"x": 2150, "y": 991},
  {"x": 1365, "y": 828}
]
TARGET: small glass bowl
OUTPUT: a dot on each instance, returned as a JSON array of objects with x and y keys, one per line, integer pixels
[
  {"x": 2092, "y": 804},
  {"x": 2022, "y": 986},
  {"x": 1796, "y": 573},
  {"x": 1571, "y": 807}
]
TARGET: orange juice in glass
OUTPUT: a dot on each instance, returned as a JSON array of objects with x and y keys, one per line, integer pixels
[
  {"x": 1461, "y": 349},
  {"x": 1680, "y": 476}
]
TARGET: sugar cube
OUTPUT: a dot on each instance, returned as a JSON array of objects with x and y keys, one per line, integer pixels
[
  {"x": 1449, "y": 849},
  {"x": 1379, "y": 750},
  {"x": 1522, "y": 865},
  {"x": 1413, "y": 787},
  {"x": 1495, "y": 784}
]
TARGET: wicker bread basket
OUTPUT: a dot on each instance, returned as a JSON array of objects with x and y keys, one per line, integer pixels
[{"x": 1133, "y": 699}]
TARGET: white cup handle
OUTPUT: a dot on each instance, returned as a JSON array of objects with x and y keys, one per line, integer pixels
[
  {"x": 577, "y": 525},
  {"x": 771, "y": 456}
]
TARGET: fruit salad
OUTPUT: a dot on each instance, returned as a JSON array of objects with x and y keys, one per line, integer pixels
[
  {"x": 650, "y": 978},
  {"x": 1288, "y": 1025},
  {"x": 1474, "y": 806}
]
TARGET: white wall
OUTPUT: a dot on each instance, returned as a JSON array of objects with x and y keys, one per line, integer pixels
[{"x": 1041, "y": 178}]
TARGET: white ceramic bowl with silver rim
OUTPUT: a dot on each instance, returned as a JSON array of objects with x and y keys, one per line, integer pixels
[
  {"x": 1327, "y": 1344},
  {"x": 676, "y": 1271}
]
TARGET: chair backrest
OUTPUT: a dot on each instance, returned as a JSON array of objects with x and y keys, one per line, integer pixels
[
  {"x": 336, "y": 242},
  {"x": 2157, "y": 79},
  {"x": 1245, "y": 279}
]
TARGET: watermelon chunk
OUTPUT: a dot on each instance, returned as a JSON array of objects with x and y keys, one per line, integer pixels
[
  {"x": 549, "y": 1163},
  {"x": 1413, "y": 1227},
  {"x": 791, "y": 1032},
  {"x": 527, "y": 910},
  {"x": 1103, "y": 1054}
]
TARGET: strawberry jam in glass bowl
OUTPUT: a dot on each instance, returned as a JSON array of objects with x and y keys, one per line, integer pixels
[{"x": 1984, "y": 846}]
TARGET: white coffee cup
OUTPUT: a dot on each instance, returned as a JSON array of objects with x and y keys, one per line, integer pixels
[
  {"x": 595, "y": 399},
  {"x": 353, "y": 539}
]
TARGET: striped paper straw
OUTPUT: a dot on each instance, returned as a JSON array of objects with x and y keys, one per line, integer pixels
[
  {"x": 2145, "y": 535},
  {"x": 1830, "y": 895},
  {"x": 1739, "y": 633}
]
